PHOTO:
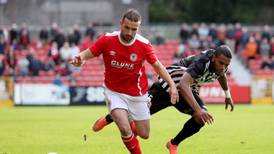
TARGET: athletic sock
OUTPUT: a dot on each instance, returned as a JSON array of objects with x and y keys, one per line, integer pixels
[
  {"x": 109, "y": 118},
  {"x": 133, "y": 128},
  {"x": 191, "y": 127},
  {"x": 132, "y": 144}
]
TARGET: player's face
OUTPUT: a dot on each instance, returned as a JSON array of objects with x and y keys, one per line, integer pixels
[
  {"x": 220, "y": 62},
  {"x": 129, "y": 29}
]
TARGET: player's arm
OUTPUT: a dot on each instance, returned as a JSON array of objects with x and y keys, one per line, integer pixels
[
  {"x": 185, "y": 90},
  {"x": 228, "y": 100},
  {"x": 162, "y": 72},
  {"x": 80, "y": 59}
]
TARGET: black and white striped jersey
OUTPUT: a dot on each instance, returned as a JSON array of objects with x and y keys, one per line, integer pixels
[{"x": 198, "y": 66}]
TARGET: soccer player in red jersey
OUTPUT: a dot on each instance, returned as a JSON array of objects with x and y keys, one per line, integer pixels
[{"x": 124, "y": 53}]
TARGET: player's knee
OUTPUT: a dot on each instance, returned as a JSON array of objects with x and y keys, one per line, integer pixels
[
  {"x": 125, "y": 131},
  {"x": 144, "y": 135},
  {"x": 199, "y": 121}
]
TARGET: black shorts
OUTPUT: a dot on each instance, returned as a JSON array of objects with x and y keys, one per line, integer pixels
[{"x": 161, "y": 99}]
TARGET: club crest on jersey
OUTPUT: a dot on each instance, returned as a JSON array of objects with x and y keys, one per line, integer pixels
[
  {"x": 112, "y": 53},
  {"x": 133, "y": 57}
]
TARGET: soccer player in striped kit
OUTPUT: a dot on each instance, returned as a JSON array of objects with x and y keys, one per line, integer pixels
[
  {"x": 124, "y": 54},
  {"x": 188, "y": 74}
]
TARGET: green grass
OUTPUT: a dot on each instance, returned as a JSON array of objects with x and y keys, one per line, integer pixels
[{"x": 40, "y": 130}]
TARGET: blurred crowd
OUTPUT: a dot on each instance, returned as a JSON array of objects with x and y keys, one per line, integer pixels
[
  {"x": 247, "y": 42},
  {"x": 22, "y": 55}
]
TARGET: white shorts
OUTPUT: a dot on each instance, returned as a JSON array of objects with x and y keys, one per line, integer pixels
[{"x": 137, "y": 106}]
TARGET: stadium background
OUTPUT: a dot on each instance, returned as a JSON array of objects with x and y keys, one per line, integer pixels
[{"x": 34, "y": 72}]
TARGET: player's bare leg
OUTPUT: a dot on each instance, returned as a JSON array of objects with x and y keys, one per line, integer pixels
[
  {"x": 142, "y": 128},
  {"x": 120, "y": 117}
]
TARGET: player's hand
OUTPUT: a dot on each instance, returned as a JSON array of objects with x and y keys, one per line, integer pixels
[
  {"x": 229, "y": 101},
  {"x": 203, "y": 116},
  {"x": 77, "y": 61},
  {"x": 174, "y": 96}
]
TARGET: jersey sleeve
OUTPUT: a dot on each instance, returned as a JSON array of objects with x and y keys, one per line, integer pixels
[
  {"x": 150, "y": 55},
  {"x": 97, "y": 48}
]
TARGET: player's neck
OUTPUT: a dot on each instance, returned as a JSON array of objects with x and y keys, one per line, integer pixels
[{"x": 125, "y": 42}]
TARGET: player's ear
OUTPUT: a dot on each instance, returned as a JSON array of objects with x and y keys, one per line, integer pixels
[
  {"x": 213, "y": 57},
  {"x": 121, "y": 21}
]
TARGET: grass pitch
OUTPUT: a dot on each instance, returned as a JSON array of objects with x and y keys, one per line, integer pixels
[{"x": 41, "y": 130}]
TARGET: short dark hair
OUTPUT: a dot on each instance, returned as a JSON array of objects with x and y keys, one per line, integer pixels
[
  {"x": 132, "y": 15},
  {"x": 223, "y": 50}
]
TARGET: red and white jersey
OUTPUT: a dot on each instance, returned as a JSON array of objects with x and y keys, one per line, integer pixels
[{"x": 124, "y": 63}]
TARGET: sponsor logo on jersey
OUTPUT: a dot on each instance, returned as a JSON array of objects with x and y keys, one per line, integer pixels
[
  {"x": 112, "y": 53},
  {"x": 117, "y": 64},
  {"x": 133, "y": 57}
]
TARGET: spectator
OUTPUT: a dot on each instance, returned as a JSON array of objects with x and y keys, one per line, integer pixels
[
  {"x": 61, "y": 93},
  {"x": 203, "y": 31},
  {"x": 265, "y": 48},
  {"x": 267, "y": 63},
  {"x": 2, "y": 45},
  {"x": 11, "y": 62},
  {"x": 57, "y": 80},
  {"x": 71, "y": 37},
  {"x": 250, "y": 48},
  {"x": 74, "y": 50},
  {"x": 54, "y": 53},
  {"x": 266, "y": 33},
  {"x": 272, "y": 45},
  {"x": 237, "y": 35},
  {"x": 194, "y": 42},
  {"x": 245, "y": 38},
  {"x": 48, "y": 64},
  {"x": 221, "y": 35},
  {"x": 184, "y": 34},
  {"x": 230, "y": 32},
  {"x": 2, "y": 64},
  {"x": 213, "y": 31},
  {"x": 180, "y": 53},
  {"x": 90, "y": 32},
  {"x": 34, "y": 64},
  {"x": 44, "y": 35},
  {"x": 194, "y": 30},
  {"x": 13, "y": 34},
  {"x": 23, "y": 65},
  {"x": 158, "y": 39},
  {"x": 65, "y": 52},
  {"x": 24, "y": 37},
  {"x": 54, "y": 32},
  {"x": 60, "y": 39},
  {"x": 77, "y": 34}
]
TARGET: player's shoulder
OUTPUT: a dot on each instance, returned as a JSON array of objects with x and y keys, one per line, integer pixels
[
  {"x": 142, "y": 39},
  {"x": 111, "y": 34},
  {"x": 205, "y": 56}
]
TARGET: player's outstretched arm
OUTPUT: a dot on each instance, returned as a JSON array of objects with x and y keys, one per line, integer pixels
[
  {"x": 185, "y": 91},
  {"x": 80, "y": 59},
  {"x": 162, "y": 72},
  {"x": 228, "y": 100}
]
